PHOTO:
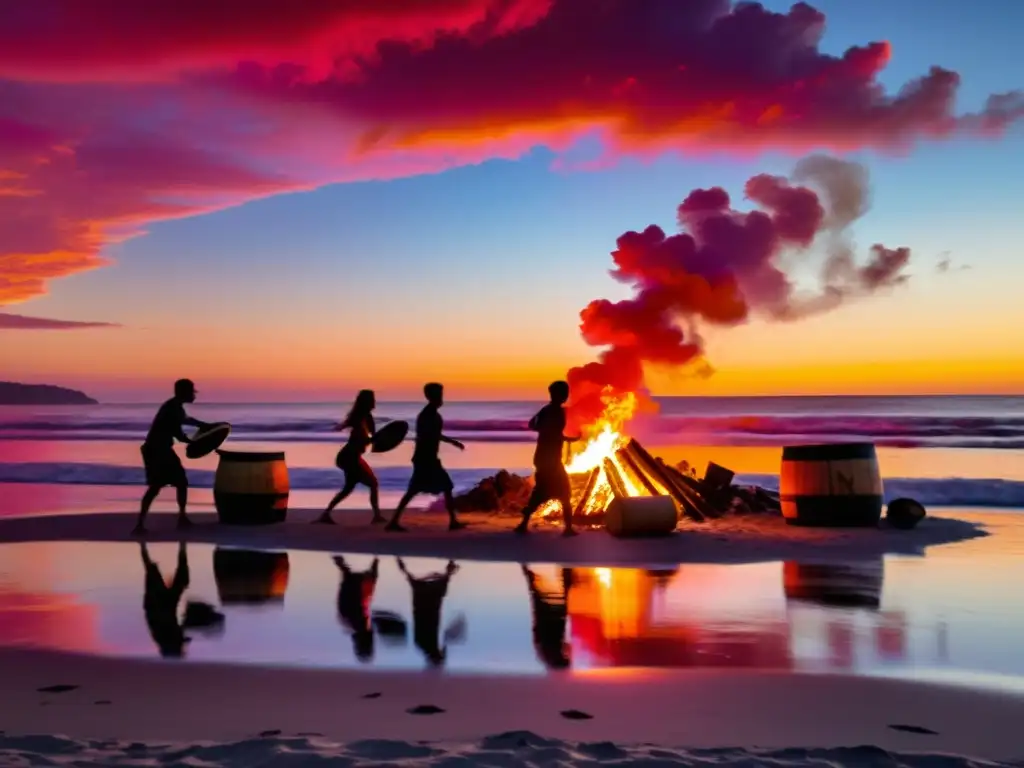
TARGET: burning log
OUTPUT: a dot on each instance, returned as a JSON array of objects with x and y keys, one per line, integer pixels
[
  {"x": 615, "y": 480},
  {"x": 588, "y": 491},
  {"x": 628, "y": 458}
]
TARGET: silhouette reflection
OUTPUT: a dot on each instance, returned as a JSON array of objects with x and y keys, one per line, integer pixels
[
  {"x": 428, "y": 593},
  {"x": 550, "y": 608},
  {"x": 842, "y": 585},
  {"x": 854, "y": 586},
  {"x": 160, "y": 603},
  {"x": 355, "y": 594},
  {"x": 250, "y": 577}
]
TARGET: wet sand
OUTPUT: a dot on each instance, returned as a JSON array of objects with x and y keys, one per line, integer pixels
[
  {"x": 748, "y": 539},
  {"x": 260, "y": 714},
  {"x": 159, "y": 702}
]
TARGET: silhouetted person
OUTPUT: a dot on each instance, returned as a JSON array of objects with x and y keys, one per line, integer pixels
[
  {"x": 163, "y": 467},
  {"x": 428, "y": 474},
  {"x": 428, "y": 593},
  {"x": 550, "y": 617},
  {"x": 350, "y": 459},
  {"x": 160, "y": 603},
  {"x": 355, "y": 593},
  {"x": 551, "y": 480}
]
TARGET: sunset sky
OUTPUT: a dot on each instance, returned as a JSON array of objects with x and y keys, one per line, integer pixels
[{"x": 291, "y": 204}]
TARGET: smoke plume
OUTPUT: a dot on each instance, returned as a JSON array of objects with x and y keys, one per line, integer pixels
[{"x": 726, "y": 266}]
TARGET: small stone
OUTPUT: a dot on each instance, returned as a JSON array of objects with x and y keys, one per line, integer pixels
[
  {"x": 374, "y": 695},
  {"x": 425, "y": 709},
  {"x": 575, "y": 714},
  {"x": 62, "y": 688},
  {"x": 914, "y": 729}
]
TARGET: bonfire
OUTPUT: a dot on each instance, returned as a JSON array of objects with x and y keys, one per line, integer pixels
[
  {"x": 608, "y": 463},
  {"x": 611, "y": 464}
]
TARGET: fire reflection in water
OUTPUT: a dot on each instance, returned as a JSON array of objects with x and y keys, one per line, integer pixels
[{"x": 622, "y": 617}]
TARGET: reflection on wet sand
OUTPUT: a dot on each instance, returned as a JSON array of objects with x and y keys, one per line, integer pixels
[
  {"x": 428, "y": 593},
  {"x": 776, "y": 615},
  {"x": 160, "y": 602},
  {"x": 854, "y": 585},
  {"x": 248, "y": 576},
  {"x": 549, "y": 604},
  {"x": 355, "y": 594},
  {"x": 843, "y": 585},
  {"x": 616, "y": 622}
]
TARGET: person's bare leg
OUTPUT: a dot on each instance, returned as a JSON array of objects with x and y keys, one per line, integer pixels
[
  {"x": 147, "y": 501},
  {"x": 524, "y": 526},
  {"x": 566, "y": 503},
  {"x": 182, "y": 493},
  {"x": 375, "y": 503},
  {"x": 339, "y": 497},
  {"x": 454, "y": 524},
  {"x": 393, "y": 524}
]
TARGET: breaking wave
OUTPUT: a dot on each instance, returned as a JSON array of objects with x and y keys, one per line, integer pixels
[
  {"x": 889, "y": 431},
  {"x": 951, "y": 491}
]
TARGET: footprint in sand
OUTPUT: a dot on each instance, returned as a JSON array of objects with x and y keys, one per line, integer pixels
[
  {"x": 103, "y": 701},
  {"x": 374, "y": 695},
  {"x": 58, "y": 688},
  {"x": 425, "y": 709},
  {"x": 575, "y": 714},
  {"x": 914, "y": 729}
]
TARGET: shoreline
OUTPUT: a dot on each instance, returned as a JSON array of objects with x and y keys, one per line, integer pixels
[
  {"x": 153, "y": 701},
  {"x": 743, "y": 539}
]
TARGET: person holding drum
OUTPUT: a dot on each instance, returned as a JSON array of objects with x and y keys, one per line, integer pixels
[{"x": 163, "y": 467}]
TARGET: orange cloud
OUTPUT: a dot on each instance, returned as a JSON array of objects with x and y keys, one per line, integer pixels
[{"x": 122, "y": 114}]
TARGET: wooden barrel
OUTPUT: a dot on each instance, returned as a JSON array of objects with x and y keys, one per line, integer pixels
[
  {"x": 250, "y": 576},
  {"x": 251, "y": 488},
  {"x": 831, "y": 485},
  {"x": 852, "y": 585},
  {"x": 641, "y": 516}
]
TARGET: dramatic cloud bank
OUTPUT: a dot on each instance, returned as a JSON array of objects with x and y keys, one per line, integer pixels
[
  {"x": 726, "y": 265},
  {"x": 117, "y": 114}
]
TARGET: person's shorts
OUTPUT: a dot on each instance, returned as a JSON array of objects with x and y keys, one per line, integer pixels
[
  {"x": 550, "y": 483},
  {"x": 430, "y": 477},
  {"x": 163, "y": 467}
]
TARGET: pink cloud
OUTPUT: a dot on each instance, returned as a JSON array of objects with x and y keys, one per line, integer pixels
[{"x": 126, "y": 114}]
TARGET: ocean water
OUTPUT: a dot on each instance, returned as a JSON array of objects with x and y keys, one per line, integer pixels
[{"x": 948, "y": 450}]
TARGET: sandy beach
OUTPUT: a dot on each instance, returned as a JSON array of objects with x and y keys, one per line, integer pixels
[
  {"x": 265, "y": 714},
  {"x": 745, "y": 539}
]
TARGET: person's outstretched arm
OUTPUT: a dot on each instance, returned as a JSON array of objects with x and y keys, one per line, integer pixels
[{"x": 452, "y": 441}]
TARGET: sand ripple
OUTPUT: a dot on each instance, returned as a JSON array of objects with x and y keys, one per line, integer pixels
[{"x": 506, "y": 750}]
